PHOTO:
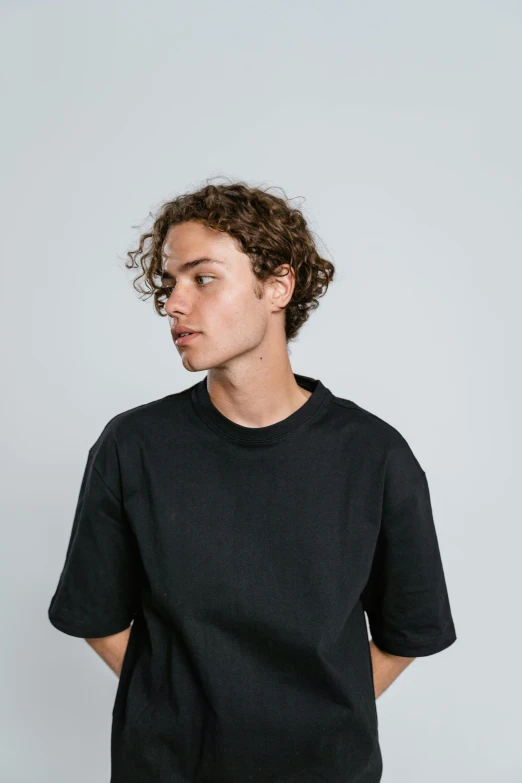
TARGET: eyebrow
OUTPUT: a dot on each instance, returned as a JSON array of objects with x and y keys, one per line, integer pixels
[{"x": 165, "y": 275}]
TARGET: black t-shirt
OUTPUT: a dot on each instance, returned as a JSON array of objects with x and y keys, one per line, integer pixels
[{"x": 247, "y": 559}]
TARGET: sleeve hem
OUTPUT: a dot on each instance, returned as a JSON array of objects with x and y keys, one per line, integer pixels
[
  {"x": 86, "y": 632},
  {"x": 418, "y": 650}
]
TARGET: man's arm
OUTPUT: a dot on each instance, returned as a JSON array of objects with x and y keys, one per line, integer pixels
[
  {"x": 112, "y": 648},
  {"x": 386, "y": 667}
]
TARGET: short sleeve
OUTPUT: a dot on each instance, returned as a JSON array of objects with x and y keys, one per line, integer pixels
[
  {"x": 97, "y": 592},
  {"x": 406, "y": 599}
]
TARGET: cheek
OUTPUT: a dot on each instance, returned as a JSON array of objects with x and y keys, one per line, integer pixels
[{"x": 238, "y": 309}]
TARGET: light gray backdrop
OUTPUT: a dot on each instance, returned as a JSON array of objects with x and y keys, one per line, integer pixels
[{"x": 400, "y": 123}]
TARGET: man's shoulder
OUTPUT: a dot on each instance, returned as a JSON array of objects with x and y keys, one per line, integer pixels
[
  {"x": 372, "y": 434},
  {"x": 146, "y": 416},
  {"x": 365, "y": 421}
]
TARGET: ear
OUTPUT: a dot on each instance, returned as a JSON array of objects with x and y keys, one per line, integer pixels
[{"x": 282, "y": 285}]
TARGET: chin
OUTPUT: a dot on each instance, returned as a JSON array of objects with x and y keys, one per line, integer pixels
[
  {"x": 190, "y": 366},
  {"x": 194, "y": 363}
]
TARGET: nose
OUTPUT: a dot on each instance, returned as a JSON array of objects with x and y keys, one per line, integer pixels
[{"x": 177, "y": 303}]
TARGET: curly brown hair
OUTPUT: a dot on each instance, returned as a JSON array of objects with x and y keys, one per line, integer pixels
[{"x": 266, "y": 228}]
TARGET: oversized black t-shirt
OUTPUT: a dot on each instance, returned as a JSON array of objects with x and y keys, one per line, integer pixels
[{"x": 247, "y": 559}]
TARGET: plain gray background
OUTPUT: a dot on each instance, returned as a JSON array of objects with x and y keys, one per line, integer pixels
[{"x": 399, "y": 124}]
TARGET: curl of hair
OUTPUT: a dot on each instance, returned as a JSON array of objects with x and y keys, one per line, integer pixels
[{"x": 265, "y": 227}]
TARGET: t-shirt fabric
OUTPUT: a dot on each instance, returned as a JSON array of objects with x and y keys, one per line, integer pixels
[{"x": 246, "y": 560}]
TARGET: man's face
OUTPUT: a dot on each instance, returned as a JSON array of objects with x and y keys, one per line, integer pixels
[{"x": 215, "y": 298}]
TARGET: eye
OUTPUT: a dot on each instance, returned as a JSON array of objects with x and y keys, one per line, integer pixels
[{"x": 168, "y": 289}]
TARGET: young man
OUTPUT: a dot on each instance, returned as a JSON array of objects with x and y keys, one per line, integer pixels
[{"x": 246, "y": 524}]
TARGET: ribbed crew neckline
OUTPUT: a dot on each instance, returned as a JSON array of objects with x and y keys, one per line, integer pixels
[{"x": 226, "y": 426}]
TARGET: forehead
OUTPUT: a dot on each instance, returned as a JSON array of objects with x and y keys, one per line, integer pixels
[{"x": 188, "y": 241}]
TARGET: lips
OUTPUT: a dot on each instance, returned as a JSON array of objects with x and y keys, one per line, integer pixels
[
  {"x": 186, "y": 339},
  {"x": 180, "y": 328}
]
